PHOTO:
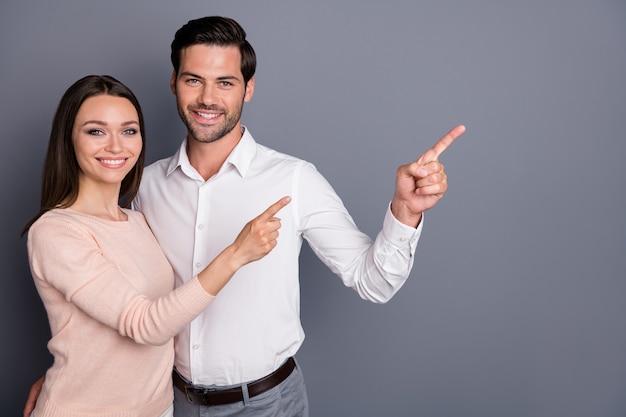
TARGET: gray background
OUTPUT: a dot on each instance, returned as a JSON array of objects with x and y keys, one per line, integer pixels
[{"x": 517, "y": 301}]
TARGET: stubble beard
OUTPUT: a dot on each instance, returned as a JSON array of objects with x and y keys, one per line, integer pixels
[{"x": 214, "y": 133}]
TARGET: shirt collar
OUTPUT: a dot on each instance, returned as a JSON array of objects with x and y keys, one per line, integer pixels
[{"x": 240, "y": 158}]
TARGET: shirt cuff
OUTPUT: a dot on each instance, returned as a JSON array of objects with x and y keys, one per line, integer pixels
[{"x": 399, "y": 234}]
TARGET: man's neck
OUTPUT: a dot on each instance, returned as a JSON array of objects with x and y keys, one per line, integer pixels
[{"x": 208, "y": 158}]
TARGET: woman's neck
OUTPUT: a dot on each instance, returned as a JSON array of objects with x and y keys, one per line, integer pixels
[{"x": 100, "y": 202}]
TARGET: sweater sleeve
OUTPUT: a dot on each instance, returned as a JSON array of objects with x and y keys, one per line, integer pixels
[{"x": 66, "y": 259}]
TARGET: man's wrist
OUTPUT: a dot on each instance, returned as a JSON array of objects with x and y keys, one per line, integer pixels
[{"x": 405, "y": 216}]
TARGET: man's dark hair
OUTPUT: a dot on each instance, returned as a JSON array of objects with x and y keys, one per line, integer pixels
[{"x": 218, "y": 31}]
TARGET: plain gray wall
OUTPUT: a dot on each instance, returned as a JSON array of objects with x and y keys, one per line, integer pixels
[{"x": 516, "y": 304}]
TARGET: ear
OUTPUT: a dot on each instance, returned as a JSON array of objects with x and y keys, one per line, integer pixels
[
  {"x": 249, "y": 90},
  {"x": 173, "y": 82}
]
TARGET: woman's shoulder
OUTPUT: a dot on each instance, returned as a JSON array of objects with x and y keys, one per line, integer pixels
[
  {"x": 134, "y": 215},
  {"x": 54, "y": 224},
  {"x": 56, "y": 217},
  {"x": 136, "y": 219}
]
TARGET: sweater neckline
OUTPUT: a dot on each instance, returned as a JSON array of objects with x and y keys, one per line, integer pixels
[{"x": 110, "y": 223}]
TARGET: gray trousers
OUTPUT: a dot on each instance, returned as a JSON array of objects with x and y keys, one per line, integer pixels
[{"x": 287, "y": 399}]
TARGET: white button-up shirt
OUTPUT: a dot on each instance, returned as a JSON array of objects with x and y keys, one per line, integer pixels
[{"x": 253, "y": 325}]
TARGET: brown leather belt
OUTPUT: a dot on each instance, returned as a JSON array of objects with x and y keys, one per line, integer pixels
[{"x": 211, "y": 396}]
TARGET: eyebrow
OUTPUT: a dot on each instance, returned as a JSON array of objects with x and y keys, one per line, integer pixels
[
  {"x": 228, "y": 77},
  {"x": 222, "y": 78},
  {"x": 103, "y": 123}
]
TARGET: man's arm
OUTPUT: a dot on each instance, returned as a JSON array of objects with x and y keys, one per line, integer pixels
[
  {"x": 35, "y": 390},
  {"x": 421, "y": 184},
  {"x": 374, "y": 269}
]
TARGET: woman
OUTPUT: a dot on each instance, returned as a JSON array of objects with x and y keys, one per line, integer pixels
[{"x": 106, "y": 285}]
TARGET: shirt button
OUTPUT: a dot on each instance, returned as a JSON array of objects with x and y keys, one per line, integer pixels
[
  {"x": 402, "y": 239},
  {"x": 196, "y": 346},
  {"x": 198, "y": 265},
  {"x": 200, "y": 226}
]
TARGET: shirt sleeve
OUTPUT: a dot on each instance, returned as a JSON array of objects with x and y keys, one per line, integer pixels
[
  {"x": 374, "y": 269},
  {"x": 66, "y": 258}
]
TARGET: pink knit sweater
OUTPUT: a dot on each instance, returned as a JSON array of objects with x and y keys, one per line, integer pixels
[{"x": 109, "y": 294}]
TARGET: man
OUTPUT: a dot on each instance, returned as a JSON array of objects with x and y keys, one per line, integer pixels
[{"x": 236, "y": 359}]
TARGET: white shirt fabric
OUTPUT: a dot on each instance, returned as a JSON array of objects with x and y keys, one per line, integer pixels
[{"x": 253, "y": 325}]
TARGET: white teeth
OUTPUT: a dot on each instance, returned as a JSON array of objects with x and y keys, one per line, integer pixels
[
  {"x": 208, "y": 115},
  {"x": 112, "y": 161}
]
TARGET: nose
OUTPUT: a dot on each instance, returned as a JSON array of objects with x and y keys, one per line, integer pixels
[
  {"x": 114, "y": 144},
  {"x": 207, "y": 95}
]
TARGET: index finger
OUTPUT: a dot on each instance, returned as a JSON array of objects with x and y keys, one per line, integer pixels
[
  {"x": 446, "y": 141},
  {"x": 275, "y": 208}
]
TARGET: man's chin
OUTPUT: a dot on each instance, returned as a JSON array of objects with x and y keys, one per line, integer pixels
[
  {"x": 205, "y": 139},
  {"x": 206, "y": 136}
]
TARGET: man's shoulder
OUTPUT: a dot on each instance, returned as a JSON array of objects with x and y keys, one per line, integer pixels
[
  {"x": 158, "y": 167},
  {"x": 271, "y": 160},
  {"x": 269, "y": 154},
  {"x": 153, "y": 179}
]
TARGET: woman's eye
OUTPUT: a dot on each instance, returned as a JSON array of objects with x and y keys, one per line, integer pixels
[
  {"x": 130, "y": 132},
  {"x": 95, "y": 132}
]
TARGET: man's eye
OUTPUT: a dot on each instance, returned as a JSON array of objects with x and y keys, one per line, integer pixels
[{"x": 226, "y": 84}]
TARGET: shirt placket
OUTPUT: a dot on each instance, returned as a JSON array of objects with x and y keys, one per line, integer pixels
[{"x": 200, "y": 249}]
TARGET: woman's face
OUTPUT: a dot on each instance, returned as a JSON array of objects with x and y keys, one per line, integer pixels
[{"x": 107, "y": 140}]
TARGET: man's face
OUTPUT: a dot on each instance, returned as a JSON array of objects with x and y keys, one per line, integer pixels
[{"x": 210, "y": 91}]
